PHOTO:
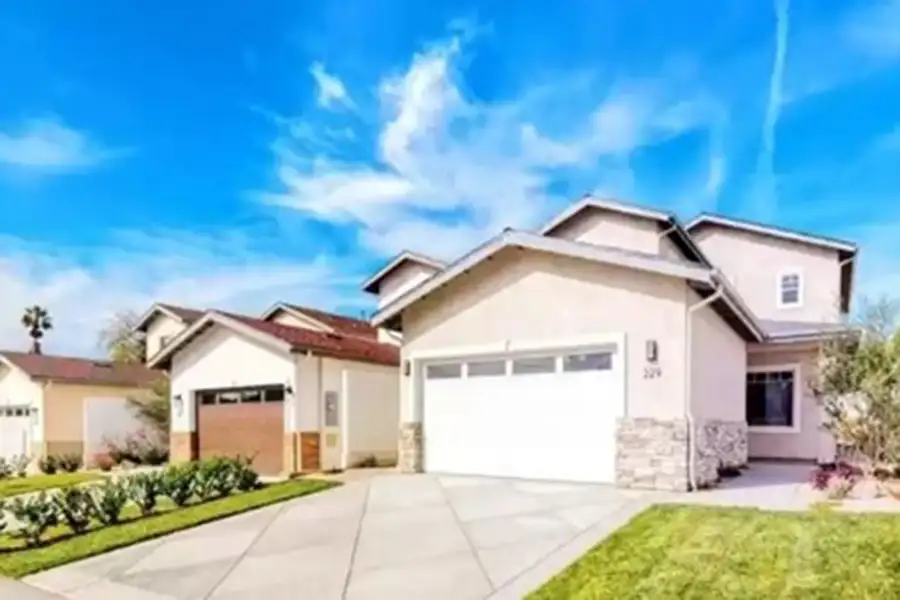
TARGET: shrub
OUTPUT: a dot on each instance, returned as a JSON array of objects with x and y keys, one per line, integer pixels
[
  {"x": 144, "y": 489},
  {"x": 215, "y": 477},
  {"x": 70, "y": 462},
  {"x": 3, "y": 523},
  {"x": 103, "y": 461},
  {"x": 35, "y": 515},
  {"x": 245, "y": 477},
  {"x": 178, "y": 482},
  {"x": 835, "y": 478},
  {"x": 48, "y": 465},
  {"x": 20, "y": 464},
  {"x": 6, "y": 468},
  {"x": 75, "y": 507},
  {"x": 138, "y": 448},
  {"x": 154, "y": 455},
  {"x": 109, "y": 499}
]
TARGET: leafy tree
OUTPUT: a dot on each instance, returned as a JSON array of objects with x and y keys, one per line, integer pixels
[
  {"x": 36, "y": 319},
  {"x": 120, "y": 339},
  {"x": 154, "y": 409},
  {"x": 857, "y": 383}
]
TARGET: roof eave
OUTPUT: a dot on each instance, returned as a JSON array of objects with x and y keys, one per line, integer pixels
[{"x": 372, "y": 284}]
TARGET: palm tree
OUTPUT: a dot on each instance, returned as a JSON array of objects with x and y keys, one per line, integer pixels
[{"x": 36, "y": 319}]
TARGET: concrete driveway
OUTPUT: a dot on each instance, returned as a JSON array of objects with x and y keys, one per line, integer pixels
[{"x": 395, "y": 536}]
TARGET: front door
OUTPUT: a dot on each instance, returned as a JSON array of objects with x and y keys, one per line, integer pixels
[{"x": 331, "y": 431}]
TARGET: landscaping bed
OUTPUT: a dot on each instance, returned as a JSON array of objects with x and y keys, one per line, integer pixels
[
  {"x": 49, "y": 530},
  {"x": 692, "y": 552}
]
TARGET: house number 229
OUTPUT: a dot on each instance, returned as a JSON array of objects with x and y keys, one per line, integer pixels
[{"x": 652, "y": 372}]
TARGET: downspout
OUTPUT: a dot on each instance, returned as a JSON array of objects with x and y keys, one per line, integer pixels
[{"x": 688, "y": 413}]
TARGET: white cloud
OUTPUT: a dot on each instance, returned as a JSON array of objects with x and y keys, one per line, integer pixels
[
  {"x": 331, "y": 91},
  {"x": 765, "y": 195},
  {"x": 49, "y": 145},
  {"x": 448, "y": 170},
  {"x": 136, "y": 269}
]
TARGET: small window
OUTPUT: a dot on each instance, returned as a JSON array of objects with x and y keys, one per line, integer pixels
[
  {"x": 593, "y": 361},
  {"x": 252, "y": 396},
  {"x": 331, "y": 409},
  {"x": 534, "y": 364},
  {"x": 486, "y": 368},
  {"x": 20, "y": 412},
  {"x": 207, "y": 398},
  {"x": 444, "y": 371},
  {"x": 789, "y": 289},
  {"x": 229, "y": 397},
  {"x": 275, "y": 394},
  {"x": 770, "y": 399}
]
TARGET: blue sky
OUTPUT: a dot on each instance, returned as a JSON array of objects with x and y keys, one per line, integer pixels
[{"x": 238, "y": 157}]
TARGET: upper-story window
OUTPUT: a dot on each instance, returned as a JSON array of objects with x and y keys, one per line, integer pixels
[{"x": 790, "y": 289}]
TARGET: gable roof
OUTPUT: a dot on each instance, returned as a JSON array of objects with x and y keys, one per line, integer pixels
[
  {"x": 373, "y": 283},
  {"x": 337, "y": 323},
  {"x": 703, "y": 279},
  {"x": 179, "y": 313},
  {"x": 286, "y": 338},
  {"x": 85, "y": 371},
  {"x": 666, "y": 221},
  {"x": 846, "y": 250}
]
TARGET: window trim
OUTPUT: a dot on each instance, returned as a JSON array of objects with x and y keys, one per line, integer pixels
[
  {"x": 795, "y": 428},
  {"x": 779, "y": 298}
]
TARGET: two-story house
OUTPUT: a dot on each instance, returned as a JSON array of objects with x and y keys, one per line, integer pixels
[{"x": 615, "y": 344}]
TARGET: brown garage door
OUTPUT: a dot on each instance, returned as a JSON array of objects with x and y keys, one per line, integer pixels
[{"x": 243, "y": 421}]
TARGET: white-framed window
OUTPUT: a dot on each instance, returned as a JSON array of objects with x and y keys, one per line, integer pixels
[
  {"x": 773, "y": 399},
  {"x": 444, "y": 371},
  {"x": 790, "y": 289}
]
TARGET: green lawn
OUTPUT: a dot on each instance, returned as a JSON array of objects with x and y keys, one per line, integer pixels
[
  {"x": 13, "y": 486},
  {"x": 698, "y": 552},
  {"x": 62, "y": 547}
]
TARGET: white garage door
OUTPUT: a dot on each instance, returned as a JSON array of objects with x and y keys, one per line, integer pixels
[
  {"x": 541, "y": 416},
  {"x": 15, "y": 427}
]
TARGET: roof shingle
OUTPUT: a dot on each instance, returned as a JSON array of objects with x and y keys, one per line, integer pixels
[
  {"x": 82, "y": 370},
  {"x": 340, "y": 323}
]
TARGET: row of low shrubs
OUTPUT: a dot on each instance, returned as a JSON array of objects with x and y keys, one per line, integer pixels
[
  {"x": 837, "y": 480},
  {"x": 77, "y": 507},
  {"x": 69, "y": 463},
  {"x": 17, "y": 466}
]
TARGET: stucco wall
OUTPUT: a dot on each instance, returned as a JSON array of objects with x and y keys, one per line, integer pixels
[
  {"x": 222, "y": 358},
  {"x": 606, "y": 228},
  {"x": 17, "y": 389},
  {"x": 404, "y": 278},
  {"x": 371, "y": 415},
  {"x": 753, "y": 264},
  {"x": 811, "y": 442},
  {"x": 718, "y": 367},
  {"x": 532, "y": 297},
  {"x": 162, "y": 326},
  {"x": 64, "y": 412}
]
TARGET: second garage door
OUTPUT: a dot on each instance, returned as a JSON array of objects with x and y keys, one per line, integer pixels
[
  {"x": 541, "y": 416},
  {"x": 243, "y": 422}
]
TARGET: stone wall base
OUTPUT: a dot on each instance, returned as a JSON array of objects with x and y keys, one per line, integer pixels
[
  {"x": 719, "y": 444},
  {"x": 652, "y": 453},
  {"x": 409, "y": 456},
  {"x": 182, "y": 446}
]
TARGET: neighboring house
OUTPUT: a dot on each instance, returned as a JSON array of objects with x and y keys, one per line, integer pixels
[
  {"x": 615, "y": 345},
  {"x": 298, "y": 389},
  {"x": 51, "y": 405}
]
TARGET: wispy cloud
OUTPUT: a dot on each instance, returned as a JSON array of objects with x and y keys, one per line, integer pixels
[
  {"x": 876, "y": 30},
  {"x": 83, "y": 286},
  {"x": 48, "y": 145},
  {"x": 448, "y": 170},
  {"x": 331, "y": 91},
  {"x": 765, "y": 195}
]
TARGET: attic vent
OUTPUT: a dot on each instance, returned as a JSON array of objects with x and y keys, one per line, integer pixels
[{"x": 102, "y": 364}]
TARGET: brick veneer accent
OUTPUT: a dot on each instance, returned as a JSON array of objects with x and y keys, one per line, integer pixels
[
  {"x": 309, "y": 450},
  {"x": 182, "y": 446}
]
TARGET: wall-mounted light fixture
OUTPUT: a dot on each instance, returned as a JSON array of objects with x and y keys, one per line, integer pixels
[
  {"x": 288, "y": 389},
  {"x": 178, "y": 401},
  {"x": 652, "y": 351},
  {"x": 406, "y": 368}
]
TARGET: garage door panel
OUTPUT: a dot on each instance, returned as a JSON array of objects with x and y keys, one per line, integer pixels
[{"x": 526, "y": 423}]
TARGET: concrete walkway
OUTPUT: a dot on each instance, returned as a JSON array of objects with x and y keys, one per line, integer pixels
[{"x": 394, "y": 536}]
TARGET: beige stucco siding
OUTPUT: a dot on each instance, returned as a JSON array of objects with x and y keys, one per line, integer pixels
[
  {"x": 811, "y": 442},
  {"x": 163, "y": 326},
  {"x": 753, "y": 264},
  {"x": 606, "y": 228},
  {"x": 523, "y": 296},
  {"x": 64, "y": 411},
  {"x": 718, "y": 368}
]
